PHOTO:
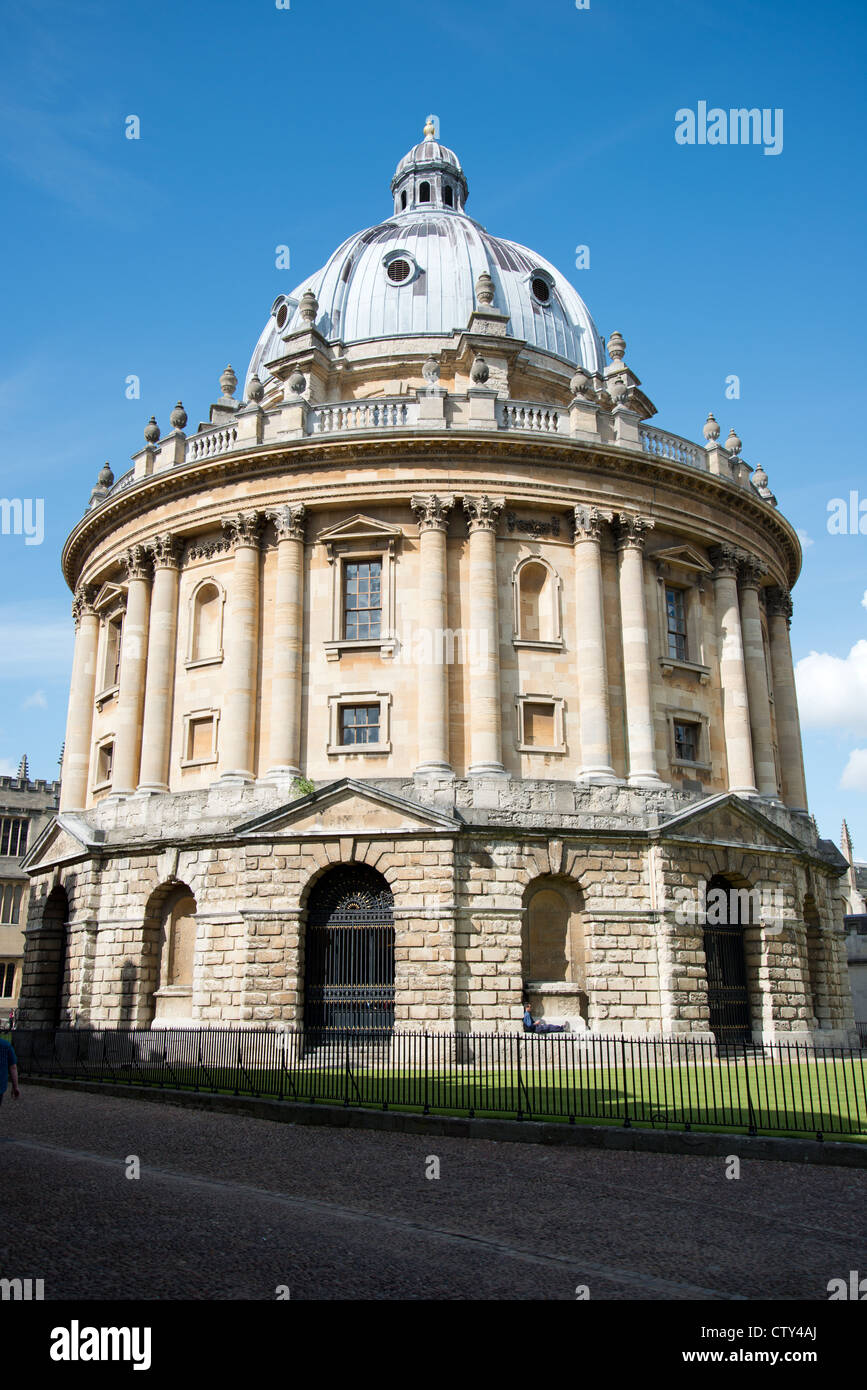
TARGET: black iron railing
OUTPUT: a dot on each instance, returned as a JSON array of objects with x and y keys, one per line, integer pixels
[{"x": 778, "y": 1088}]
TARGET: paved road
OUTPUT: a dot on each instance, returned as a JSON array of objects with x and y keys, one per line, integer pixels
[{"x": 230, "y": 1208}]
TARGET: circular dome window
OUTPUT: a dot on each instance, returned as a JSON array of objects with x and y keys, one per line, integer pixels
[
  {"x": 398, "y": 271},
  {"x": 282, "y": 315},
  {"x": 541, "y": 289}
]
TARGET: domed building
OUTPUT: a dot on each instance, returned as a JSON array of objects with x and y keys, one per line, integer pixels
[{"x": 428, "y": 676}]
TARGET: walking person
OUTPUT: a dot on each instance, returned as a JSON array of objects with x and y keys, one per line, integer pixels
[{"x": 8, "y": 1069}]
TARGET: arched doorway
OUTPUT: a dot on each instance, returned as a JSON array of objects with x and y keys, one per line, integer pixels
[
  {"x": 175, "y": 954},
  {"x": 727, "y": 912},
  {"x": 53, "y": 985},
  {"x": 349, "y": 951}
]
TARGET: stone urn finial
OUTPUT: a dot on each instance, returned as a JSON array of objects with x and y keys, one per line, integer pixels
[
  {"x": 308, "y": 307},
  {"x": 152, "y": 431},
  {"x": 580, "y": 383},
  {"x": 616, "y": 347},
  {"x": 255, "y": 389},
  {"x": 297, "y": 383},
  {"x": 106, "y": 476},
  {"x": 710, "y": 430},
  {"x": 228, "y": 381},
  {"x": 430, "y": 129},
  {"x": 480, "y": 371},
  {"x": 485, "y": 289},
  {"x": 431, "y": 371},
  {"x": 178, "y": 417},
  {"x": 104, "y": 481},
  {"x": 733, "y": 444}
]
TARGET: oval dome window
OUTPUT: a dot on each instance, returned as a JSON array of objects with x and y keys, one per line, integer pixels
[
  {"x": 397, "y": 271},
  {"x": 541, "y": 289},
  {"x": 282, "y": 315}
]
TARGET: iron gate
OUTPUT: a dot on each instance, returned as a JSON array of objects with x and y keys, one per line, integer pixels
[
  {"x": 349, "y": 952},
  {"x": 727, "y": 991}
]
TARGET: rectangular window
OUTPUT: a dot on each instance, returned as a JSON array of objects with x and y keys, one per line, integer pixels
[
  {"x": 7, "y": 979},
  {"x": 113, "y": 641},
  {"x": 675, "y": 609},
  {"x": 104, "y": 763},
  {"x": 686, "y": 742},
  {"x": 539, "y": 724},
  {"x": 10, "y": 904},
  {"x": 13, "y": 836},
  {"x": 362, "y": 599},
  {"x": 359, "y": 724}
]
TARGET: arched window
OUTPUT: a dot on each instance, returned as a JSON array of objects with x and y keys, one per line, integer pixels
[
  {"x": 424, "y": 192},
  {"x": 403, "y": 199},
  {"x": 177, "y": 954},
  {"x": 537, "y": 605},
  {"x": 206, "y": 624},
  {"x": 448, "y": 196}
]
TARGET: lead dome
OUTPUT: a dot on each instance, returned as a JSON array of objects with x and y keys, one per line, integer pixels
[{"x": 414, "y": 275}]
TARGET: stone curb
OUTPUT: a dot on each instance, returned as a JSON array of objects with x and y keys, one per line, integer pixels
[{"x": 833, "y": 1153}]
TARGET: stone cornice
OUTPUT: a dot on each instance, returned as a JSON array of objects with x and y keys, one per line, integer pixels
[{"x": 736, "y": 505}]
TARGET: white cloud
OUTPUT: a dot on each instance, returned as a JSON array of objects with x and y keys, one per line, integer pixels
[
  {"x": 864, "y": 600},
  {"x": 35, "y": 701},
  {"x": 832, "y": 690},
  {"x": 806, "y": 541},
  {"x": 854, "y": 777}
]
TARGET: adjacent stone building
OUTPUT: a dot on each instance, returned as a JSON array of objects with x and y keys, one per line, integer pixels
[
  {"x": 429, "y": 674},
  {"x": 26, "y": 808}
]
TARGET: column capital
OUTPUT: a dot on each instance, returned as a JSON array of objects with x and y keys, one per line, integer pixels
[
  {"x": 166, "y": 550},
  {"x": 138, "y": 562},
  {"x": 725, "y": 560},
  {"x": 83, "y": 602},
  {"x": 631, "y": 530},
  {"x": 779, "y": 603},
  {"x": 243, "y": 528},
  {"x": 432, "y": 512},
  {"x": 289, "y": 521},
  {"x": 588, "y": 522},
  {"x": 483, "y": 512},
  {"x": 750, "y": 571}
]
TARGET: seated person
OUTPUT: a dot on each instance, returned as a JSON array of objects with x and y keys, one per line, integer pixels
[{"x": 531, "y": 1026}]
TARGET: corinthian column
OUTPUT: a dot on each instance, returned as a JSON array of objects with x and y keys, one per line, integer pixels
[
  {"x": 631, "y": 537},
  {"x": 786, "y": 701},
  {"x": 432, "y": 514},
  {"x": 594, "y": 717},
  {"x": 133, "y": 665},
  {"x": 242, "y": 633},
  {"x": 733, "y": 675},
  {"x": 159, "y": 687},
  {"x": 486, "y": 743},
  {"x": 79, "y": 720},
  {"x": 285, "y": 754},
  {"x": 757, "y": 678}
]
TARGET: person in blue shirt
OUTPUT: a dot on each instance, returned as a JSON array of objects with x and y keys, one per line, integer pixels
[
  {"x": 531, "y": 1026},
  {"x": 8, "y": 1069}
]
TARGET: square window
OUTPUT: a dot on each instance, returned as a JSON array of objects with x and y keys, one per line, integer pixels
[
  {"x": 539, "y": 724},
  {"x": 200, "y": 741},
  {"x": 362, "y": 600},
  {"x": 359, "y": 724},
  {"x": 104, "y": 763}
]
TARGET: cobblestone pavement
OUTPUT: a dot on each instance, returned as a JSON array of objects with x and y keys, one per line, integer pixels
[{"x": 230, "y": 1208}]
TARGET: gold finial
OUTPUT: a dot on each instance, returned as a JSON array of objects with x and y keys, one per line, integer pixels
[{"x": 430, "y": 129}]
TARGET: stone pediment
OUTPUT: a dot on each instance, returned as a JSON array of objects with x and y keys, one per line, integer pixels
[
  {"x": 63, "y": 839},
  {"x": 348, "y": 807},
  {"x": 359, "y": 527},
  {"x": 684, "y": 556},
  {"x": 728, "y": 820}
]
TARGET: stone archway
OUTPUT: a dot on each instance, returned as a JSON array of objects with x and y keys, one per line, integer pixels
[
  {"x": 45, "y": 992},
  {"x": 349, "y": 952},
  {"x": 728, "y": 911}
]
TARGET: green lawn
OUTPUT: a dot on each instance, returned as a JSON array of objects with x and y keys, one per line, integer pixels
[{"x": 772, "y": 1097}]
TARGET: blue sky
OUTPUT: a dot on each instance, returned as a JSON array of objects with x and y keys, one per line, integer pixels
[{"x": 263, "y": 126}]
